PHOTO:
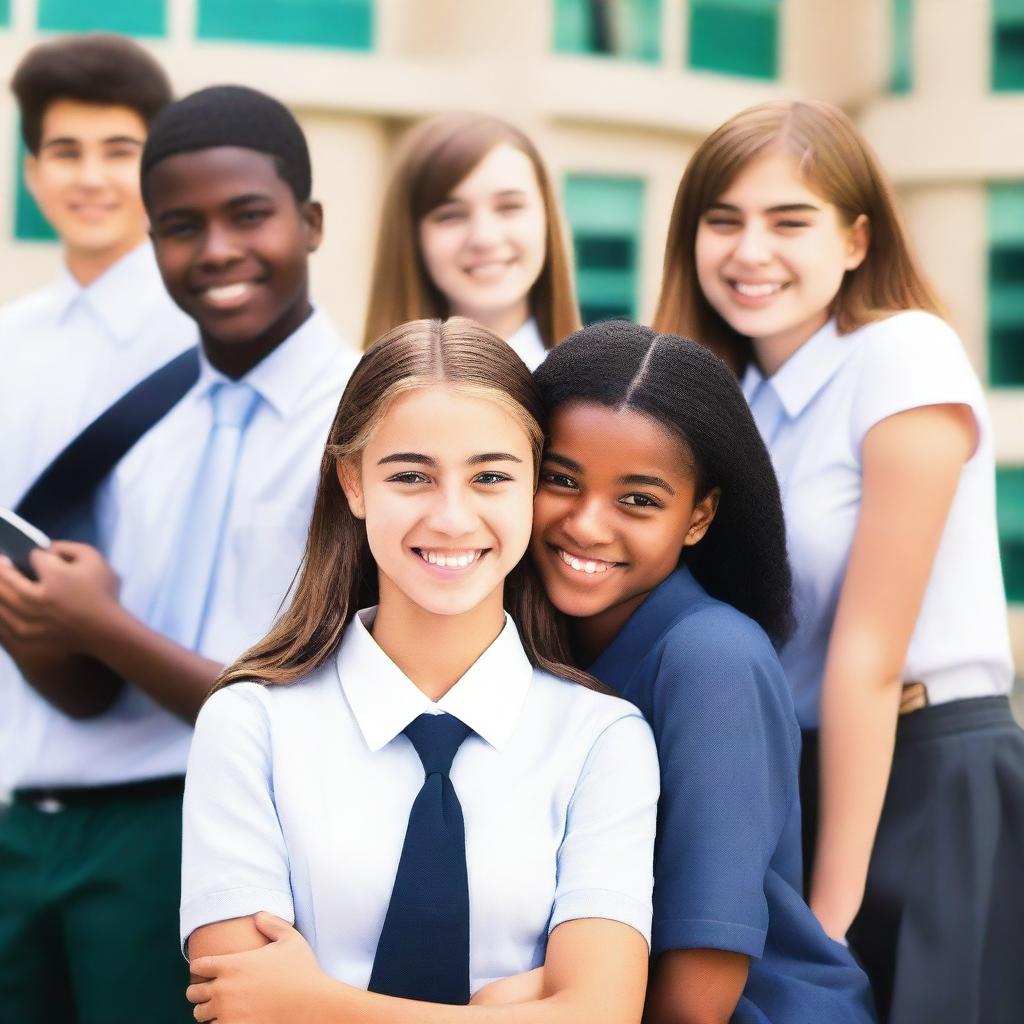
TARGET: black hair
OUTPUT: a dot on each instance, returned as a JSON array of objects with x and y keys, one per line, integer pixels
[
  {"x": 98, "y": 68},
  {"x": 232, "y": 115},
  {"x": 687, "y": 389}
]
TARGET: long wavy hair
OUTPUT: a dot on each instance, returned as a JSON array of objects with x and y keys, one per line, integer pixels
[
  {"x": 434, "y": 157},
  {"x": 836, "y": 162},
  {"x": 689, "y": 391},
  {"x": 338, "y": 575}
]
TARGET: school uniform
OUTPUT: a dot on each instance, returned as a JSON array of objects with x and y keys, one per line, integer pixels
[
  {"x": 727, "y": 859},
  {"x": 298, "y": 798},
  {"x": 67, "y": 352},
  {"x": 938, "y": 931},
  {"x": 527, "y": 343},
  {"x": 104, "y": 794}
]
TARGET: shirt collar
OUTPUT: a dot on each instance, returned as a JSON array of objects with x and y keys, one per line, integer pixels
[
  {"x": 806, "y": 371},
  {"x": 672, "y": 598},
  {"x": 488, "y": 698},
  {"x": 527, "y": 339},
  {"x": 123, "y": 296},
  {"x": 288, "y": 378}
]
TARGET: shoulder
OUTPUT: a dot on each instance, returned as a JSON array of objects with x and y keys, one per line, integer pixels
[
  {"x": 261, "y": 703},
  {"x": 28, "y": 308},
  {"x": 912, "y": 330},
  {"x": 580, "y": 701}
]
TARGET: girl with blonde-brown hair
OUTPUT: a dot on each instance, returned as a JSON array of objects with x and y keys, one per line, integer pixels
[
  {"x": 786, "y": 256},
  {"x": 470, "y": 227},
  {"x": 402, "y": 768}
]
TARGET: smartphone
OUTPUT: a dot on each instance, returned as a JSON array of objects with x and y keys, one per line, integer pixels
[{"x": 18, "y": 539}]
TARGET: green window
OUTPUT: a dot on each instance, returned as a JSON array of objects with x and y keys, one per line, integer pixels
[
  {"x": 1007, "y": 45},
  {"x": 1006, "y": 285},
  {"x": 345, "y": 24},
  {"x": 130, "y": 17},
  {"x": 1010, "y": 514},
  {"x": 735, "y": 37},
  {"x": 29, "y": 223},
  {"x": 618, "y": 28},
  {"x": 5, "y": 12},
  {"x": 902, "y": 45},
  {"x": 605, "y": 215}
]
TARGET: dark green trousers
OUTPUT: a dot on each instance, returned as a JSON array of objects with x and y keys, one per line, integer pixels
[{"x": 89, "y": 913}]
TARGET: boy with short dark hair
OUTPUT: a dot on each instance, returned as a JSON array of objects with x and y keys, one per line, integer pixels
[{"x": 204, "y": 521}]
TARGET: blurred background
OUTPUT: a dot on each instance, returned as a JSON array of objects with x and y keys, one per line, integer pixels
[{"x": 617, "y": 93}]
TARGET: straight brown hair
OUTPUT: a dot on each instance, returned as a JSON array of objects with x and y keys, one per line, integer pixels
[
  {"x": 837, "y": 163},
  {"x": 434, "y": 157},
  {"x": 338, "y": 575}
]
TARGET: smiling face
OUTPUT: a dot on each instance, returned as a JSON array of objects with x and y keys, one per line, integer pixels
[
  {"x": 85, "y": 178},
  {"x": 771, "y": 254},
  {"x": 445, "y": 486},
  {"x": 484, "y": 245},
  {"x": 232, "y": 244},
  {"x": 615, "y": 508}
]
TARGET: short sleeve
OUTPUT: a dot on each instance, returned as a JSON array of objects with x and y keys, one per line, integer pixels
[
  {"x": 605, "y": 861},
  {"x": 727, "y": 742},
  {"x": 234, "y": 862},
  {"x": 912, "y": 360}
]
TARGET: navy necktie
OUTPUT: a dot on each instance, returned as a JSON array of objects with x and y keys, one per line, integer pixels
[{"x": 423, "y": 952}]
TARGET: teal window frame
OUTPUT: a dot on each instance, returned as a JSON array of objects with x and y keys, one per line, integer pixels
[
  {"x": 901, "y": 27},
  {"x": 5, "y": 13},
  {"x": 630, "y": 30},
  {"x": 1010, "y": 516},
  {"x": 606, "y": 215},
  {"x": 1007, "y": 45},
  {"x": 330, "y": 24},
  {"x": 735, "y": 37},
  {"x": 29, "y": 223},
  {"x": 1006, "y": 284},
  {"x": 139, "y": 18}
]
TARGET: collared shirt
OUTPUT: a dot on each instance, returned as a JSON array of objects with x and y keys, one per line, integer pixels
[
  {"x": 139, "y": 510},
  {"x": 298, "y": 796},
  {"x": 727, "y": 865},
  {"x": 814, "y": 414},
  {"x": 528, "y": 344},
  {"x": 67, "y": 353}
]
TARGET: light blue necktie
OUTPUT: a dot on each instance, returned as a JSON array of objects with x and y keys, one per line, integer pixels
[{"x": 182, "y": 603}]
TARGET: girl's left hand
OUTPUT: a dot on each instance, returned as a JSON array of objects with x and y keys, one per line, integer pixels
[{"x": 277, "y": 984}]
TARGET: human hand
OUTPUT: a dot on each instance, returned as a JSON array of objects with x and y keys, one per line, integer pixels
[
  {"x": 75, "y": 588},
  {"x": 518, "y": 988},
  {"x": 276, "y": 984}
]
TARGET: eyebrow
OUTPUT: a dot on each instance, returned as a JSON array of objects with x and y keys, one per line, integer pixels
[
  {"x": 636, "y": 479},
  {"x": 68, "y": 140},
  {"x": 427, "y": 460},
  {"x": 233, "y": 203},
  {"x": 503, "y": 192},
  {"x": 781, "y": 208}
]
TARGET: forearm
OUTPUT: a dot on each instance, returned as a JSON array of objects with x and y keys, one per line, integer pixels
[
  {"x": 858, "y": 727},
  {"x": 175, "y": 677},
  {"x": 75, "y": 684}
]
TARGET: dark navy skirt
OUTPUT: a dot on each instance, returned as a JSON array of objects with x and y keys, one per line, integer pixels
[{"x": 941, "y": 930}]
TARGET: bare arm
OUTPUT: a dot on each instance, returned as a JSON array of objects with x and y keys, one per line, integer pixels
[
  {"x": 696, "y": 986},
  {"x": 911, "y": 466}
]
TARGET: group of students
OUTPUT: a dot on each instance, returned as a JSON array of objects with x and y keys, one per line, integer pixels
[{"x": 536, "y": 697}]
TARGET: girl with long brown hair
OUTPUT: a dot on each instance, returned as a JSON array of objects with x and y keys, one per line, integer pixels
[
  {"x": 398, "y": 768},
  {"x": 787, "y": 257},
  {"x": 470, "y": 227}
]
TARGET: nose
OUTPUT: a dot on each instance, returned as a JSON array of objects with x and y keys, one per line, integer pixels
[
  {"x": 220, "y": 246},
  {"x": 484, "y": 229},
  {"x": 752, "y": 245},
  {"x": 91, "y": 172},
  {"x": 586, "y": 526},
  {"x": 452, "y": 512}
]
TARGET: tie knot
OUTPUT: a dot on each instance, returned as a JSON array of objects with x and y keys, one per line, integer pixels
[
  {"x": 436, "y": 739},
  {"x": 233, "y": 404}
]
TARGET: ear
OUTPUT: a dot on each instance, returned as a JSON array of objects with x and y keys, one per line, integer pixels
[
  {"x": 702, "y": 516},
  {"x": 312, "y": 214},
  {"x": 348, "y": 477},
  {"x": 857, "y": 242}
]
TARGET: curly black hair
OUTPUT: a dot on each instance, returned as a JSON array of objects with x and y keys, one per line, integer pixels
[{"x": 618, "y": 364}]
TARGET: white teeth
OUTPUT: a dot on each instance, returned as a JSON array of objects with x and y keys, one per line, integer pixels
[
  {"x": 449, "y": 561},
  {"x": 588, "y": 566},
  {"x": 756, "y": 291},
  {"x": 227, "y": 292}
]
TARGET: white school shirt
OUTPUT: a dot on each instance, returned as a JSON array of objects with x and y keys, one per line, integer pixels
[
  {"x": 814, "y": 413},
  {"x": 528, "y": 344},
  {"x": 298, "y": 796},
  {"x": 67, "y": 353},
  {"x": 139, "y": 509}
]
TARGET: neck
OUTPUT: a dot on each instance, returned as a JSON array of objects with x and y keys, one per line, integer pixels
[
  {"x": 504, "y": 323},
  {"x": 432, "y": 650},
  {"x": 773, "y": 352},
  {"x": 88, "y": 265},
  {"x": 236, "y": 358}
]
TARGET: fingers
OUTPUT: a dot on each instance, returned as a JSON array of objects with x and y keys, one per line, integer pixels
[
  {"x": 204, "y": 1012},
  {"x": 205, "y": 967},
  {"x": 200, "y": 992},
  {"x": 70, "y": 550},
  {"x": 273, "y": 927}
]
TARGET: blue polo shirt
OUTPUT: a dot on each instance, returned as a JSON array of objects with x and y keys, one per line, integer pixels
[{"x": 727, "y": 858}]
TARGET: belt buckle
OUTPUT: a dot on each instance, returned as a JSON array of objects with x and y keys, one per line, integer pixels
[{"x": 49, "y": 805}]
